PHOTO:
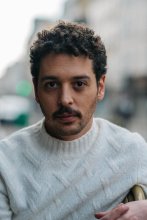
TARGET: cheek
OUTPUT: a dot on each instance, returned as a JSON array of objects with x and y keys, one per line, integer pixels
[
  {"x": 47, "y": 102},
  {"x": 89, "y": 103}
]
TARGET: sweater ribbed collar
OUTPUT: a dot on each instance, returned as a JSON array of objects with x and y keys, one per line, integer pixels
[{"x": 72, "y": 148}]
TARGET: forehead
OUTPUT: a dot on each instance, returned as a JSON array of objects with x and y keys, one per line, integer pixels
[{"x": 60, "y": 65}]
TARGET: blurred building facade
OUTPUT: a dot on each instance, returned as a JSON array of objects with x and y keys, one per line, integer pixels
[{"x": 19, "y": 71}]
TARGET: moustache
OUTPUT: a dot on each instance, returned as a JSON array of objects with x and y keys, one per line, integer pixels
[{"x": 66, "y": 110}]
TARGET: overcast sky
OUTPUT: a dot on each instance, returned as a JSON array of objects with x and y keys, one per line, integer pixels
[{"x": 16, "y": 19}]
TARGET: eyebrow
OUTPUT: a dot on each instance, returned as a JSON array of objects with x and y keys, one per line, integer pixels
[
  {"x": 48, "y": 78},
  {"x": 56, "y": 78}
]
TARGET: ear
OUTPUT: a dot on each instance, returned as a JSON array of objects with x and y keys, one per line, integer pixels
[
  {"x": 35, "y": 84},
  {"x": 101, "y": 88}
]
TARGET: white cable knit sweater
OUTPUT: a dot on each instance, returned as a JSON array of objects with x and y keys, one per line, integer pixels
[{"x": 43, "y": 178}]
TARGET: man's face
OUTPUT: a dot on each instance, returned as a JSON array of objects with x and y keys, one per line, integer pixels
[{"x": 67, "y": 92}]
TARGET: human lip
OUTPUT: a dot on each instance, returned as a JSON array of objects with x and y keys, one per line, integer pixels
[{"x": 66, "y": 117}]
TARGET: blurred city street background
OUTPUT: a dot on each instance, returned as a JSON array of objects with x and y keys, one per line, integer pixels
[{"x": 122, "y": 25}]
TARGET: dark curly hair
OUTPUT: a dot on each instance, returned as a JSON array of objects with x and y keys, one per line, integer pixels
[{"x": 72, "y": 39}]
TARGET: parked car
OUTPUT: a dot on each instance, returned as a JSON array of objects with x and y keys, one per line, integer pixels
[{"x": 14, "y": 109}]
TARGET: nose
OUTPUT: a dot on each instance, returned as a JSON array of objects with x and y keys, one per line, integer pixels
[{"x": 65, "y": 96}]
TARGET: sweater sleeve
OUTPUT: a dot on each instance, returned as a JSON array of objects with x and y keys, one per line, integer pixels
[
  {"x": 5, "y": 211},
  {"x": 142, "y": 164}
]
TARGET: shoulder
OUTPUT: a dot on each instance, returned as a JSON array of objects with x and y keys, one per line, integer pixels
[
  {"x": 119, "y": 137},
  {"x": 13, "y": 145}
]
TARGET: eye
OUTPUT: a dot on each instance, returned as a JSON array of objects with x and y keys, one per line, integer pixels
[
  {"x": 79, "y": 84},
  {"x": 51, "y": 85}
]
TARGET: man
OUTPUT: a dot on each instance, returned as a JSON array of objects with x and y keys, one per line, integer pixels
[{"x": 70, "y": 165}]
